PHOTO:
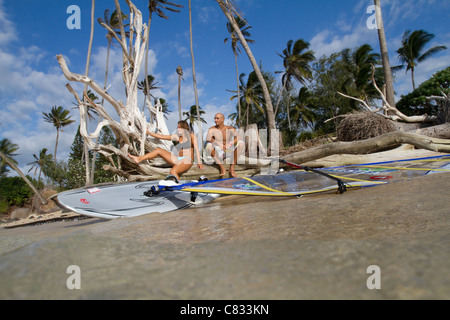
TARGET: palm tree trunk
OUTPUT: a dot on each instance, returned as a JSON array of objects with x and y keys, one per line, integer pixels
[
  {"x": 238, "y": 121},
  {"x": 12, "y": 165},
  {"x": 412, "y": 78},
  {"x": 279, "y": 97},
  {"x": 94, "y": 156},
  {"x": 88, "y": 62},
  {"x": 390, "y": 95},
  {"x": 179, "y": 97},
  {"x": 194, "y": 79},
  {"x": 56, "y": 144},
  {"x": 39, "y": 177},
  {"x": 269, "y": 107},
  {"x": 288, "y": 111},
  {"x": 147, "y": 41}
]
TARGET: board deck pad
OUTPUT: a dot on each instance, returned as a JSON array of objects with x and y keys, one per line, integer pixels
[{"x": 128, "y": 200}]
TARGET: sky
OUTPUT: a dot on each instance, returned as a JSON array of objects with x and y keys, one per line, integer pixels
[{"x": 33, "y": 32}]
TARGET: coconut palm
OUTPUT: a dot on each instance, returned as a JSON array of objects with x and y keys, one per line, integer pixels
[
  {"x": 388, "y": 80},
  {"x": 302, "y": 113},
  {"x": 252, "y": 99},
  {"x": 234, "y": 39},
  {"x": 194, "y": 79},
  {"x": 112, "y": 21},
  {"x": 90, "y": 111},
  {"x": 164, "y": 105},
  {"x": 413, "y": 44},
  {"x": 158, "y": 7},
  {"x": 40, "y": 162},
  {"x": 192, "y": 116},
  {"x": 229, "y": 9},
  {"x": 60, "y": 118},
  {"x": 359, "y": 63},
  {"x": 7, "y": 148},
  {"x": 147, "y": 85},
  {"x": 180, "y": 76},
  {"x": 296, "y": 62}
]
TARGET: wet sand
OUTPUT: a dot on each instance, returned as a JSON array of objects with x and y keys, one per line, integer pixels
[{"x": 315, "y": 247}]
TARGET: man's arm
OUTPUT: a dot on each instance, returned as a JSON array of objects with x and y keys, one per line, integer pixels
[{"x": 213, "y": 136}]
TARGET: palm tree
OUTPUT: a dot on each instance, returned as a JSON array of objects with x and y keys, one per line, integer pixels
[
  {"x": 413, "y": 45},
  {"x": 194, "y": 79},
  {"x": 60, "y": 118},
  {"x": 251, "y": 99},
  {"x": 158, "y": 7},
  {"x": 359, "y": 63},
  {"x": 388, "y": 80},
  {"x": 296, "y": 66},
  {"x": 229, "y": 9},
  {"x": 164, "y": 105},
  {"x": 180, "y": 76},
  {"x": 147, "y": 85},
  {"x": 88, "y": 63},
  {"x": 303, "y": 114},
  {"x": 113, "y": 22},
  {"x": 7, "y": 148},
  {"x": 90, "y": 111},
  {"x": 192, "y": 116},
  {"x": 244, "y": 27},
  {"x": 40, "y": 162}
]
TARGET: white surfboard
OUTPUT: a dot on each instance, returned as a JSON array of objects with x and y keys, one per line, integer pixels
[{"x": 113, "y": 201}]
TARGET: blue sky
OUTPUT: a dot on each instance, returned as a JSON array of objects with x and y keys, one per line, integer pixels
[{"x": 33, "y": 32}]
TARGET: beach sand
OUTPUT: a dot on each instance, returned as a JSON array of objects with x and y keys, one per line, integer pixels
[{"x": 315, "y": 247}]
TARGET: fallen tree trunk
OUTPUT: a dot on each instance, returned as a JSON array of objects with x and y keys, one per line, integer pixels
[
  {"x": 389, "y": 140},
  {"x": 441, "y": 131}
]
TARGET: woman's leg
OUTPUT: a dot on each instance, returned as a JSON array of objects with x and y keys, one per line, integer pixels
[
  {"x": 166, "y": 155},
  {"x": 180, "y": 168}
]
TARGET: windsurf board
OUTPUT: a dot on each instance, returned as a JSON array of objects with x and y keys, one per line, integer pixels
[{"x": 111, "y": 201}]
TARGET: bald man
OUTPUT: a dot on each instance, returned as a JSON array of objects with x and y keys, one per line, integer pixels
[{"x": 222, "y": 141}]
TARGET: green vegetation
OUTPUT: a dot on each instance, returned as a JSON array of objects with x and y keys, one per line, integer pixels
[
  {"x": 13, "y": 192},
  {"x": 416, "y": 103}
]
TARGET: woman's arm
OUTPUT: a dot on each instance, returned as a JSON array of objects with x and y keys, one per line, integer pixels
[
  {"x": 197, "y": 151},
  {"x": 173, "y": 137}
]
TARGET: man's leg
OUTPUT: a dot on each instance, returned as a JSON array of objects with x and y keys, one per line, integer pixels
[
  {"x": 210, "y": 148},
  {"x": 237, "y": 153}
]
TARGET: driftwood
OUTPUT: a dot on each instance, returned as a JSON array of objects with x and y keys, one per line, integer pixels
[
  {"x": 131, "y": 129},
  {"x": 388, "y": 140}
]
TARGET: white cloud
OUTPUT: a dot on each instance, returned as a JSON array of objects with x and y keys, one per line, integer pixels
[
  {"x": 7, "y": 28},
  {"x": 329, "y": 41},
  {"x": 25, "y": 93},
  {"x": 207, "y": 14}
]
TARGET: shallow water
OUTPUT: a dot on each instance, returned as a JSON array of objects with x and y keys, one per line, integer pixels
[
  {"x": 244, "y": 248},
  {"x": 281, "y": 269}
]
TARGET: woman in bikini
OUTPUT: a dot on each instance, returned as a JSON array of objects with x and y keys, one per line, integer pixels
[{"x": 182, "y": 155}]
